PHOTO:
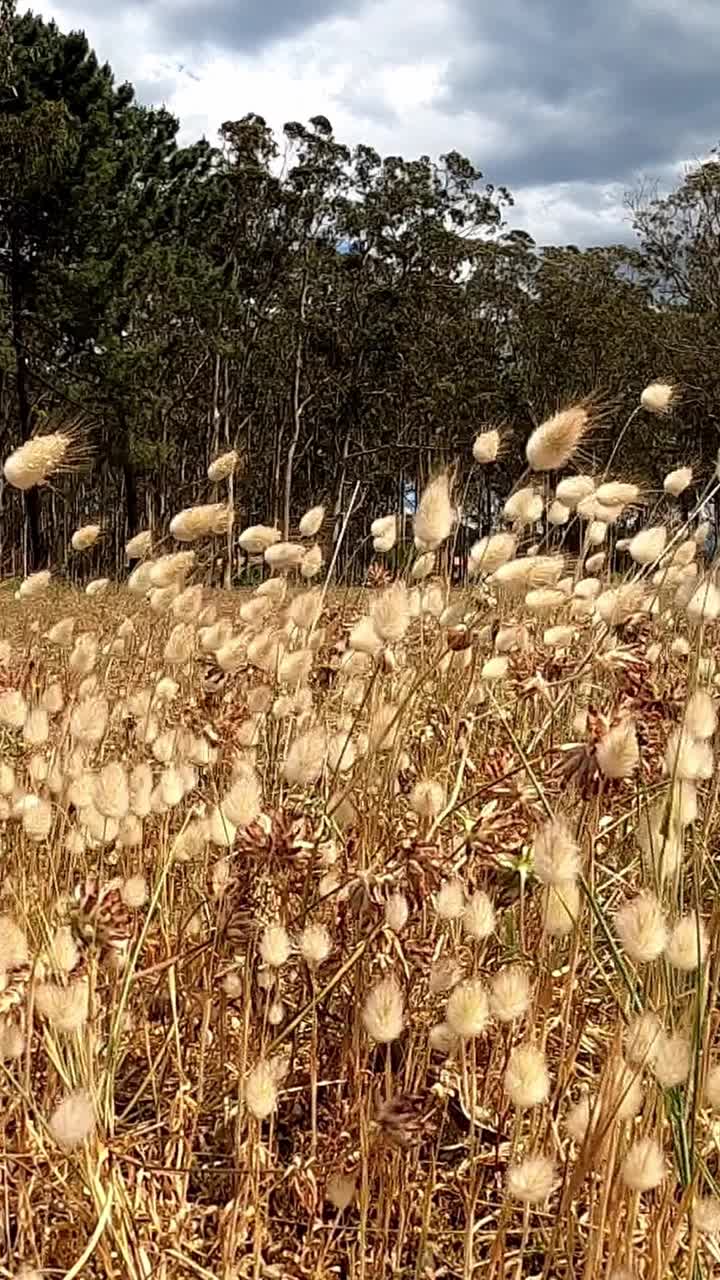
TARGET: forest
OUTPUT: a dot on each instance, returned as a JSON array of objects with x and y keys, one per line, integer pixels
[{"x": 348, "y": 322}]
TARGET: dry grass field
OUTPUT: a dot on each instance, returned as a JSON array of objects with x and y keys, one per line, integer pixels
[{"x": 367, "y": 936}]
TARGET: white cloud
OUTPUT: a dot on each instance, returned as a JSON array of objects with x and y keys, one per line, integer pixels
[{"x": 383, "y": 74}]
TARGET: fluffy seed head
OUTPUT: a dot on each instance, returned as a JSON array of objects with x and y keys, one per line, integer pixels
[
  {"x": 36, "y": 460},
  {"x": 390, "y": 613},
  {"x": 435, "y": 516},
  {"x": 553, "y": 443},
  {"x": 487, "y": 555},
  {"x": 62, "y": 632},
  {"x": 311, "y": 563},
  {"x": 485, "y": 446},
  {"x": 642, "y": 1038},
  {"x": 561, "y": 908},
  {"x": 139, "y": 546},
  {"x": 36, "y": 584},
  {"x": 305, "y": 759},
  {"x": 13, "y": 709},
  {"x": 396, "y": 912},
  {"x": 201, "y": 522},
  {"x": 494, "y": 669},
  {"x": 36, "y": 727},
  {"x": 704, "y": 603},
  {"x": 621, "y": 1093},
  {"x": 274, "y": 946},
  {"x": 311, "y": 523},
  {"x": 111, "y": 794},
  {"x": 468, "y": 1009},
  {"x": 532, "y": 1180},
  {"x": 510, "y": 994},
  {"x": 706, "y": 1215},
  {"x": 648, "y": 545},
  {"x": 261, "y": 1091},
  {"x": 134, "y": 892},
  {"x": 672, "y": 1059},
  {"x": 617, "y": 493},
  {"x": 700, "y": 715},
  {"x": 256, "y": 539},
  {"x": 243, "y": 802},
  {"x": 171, "y": 570},
  {"x": 676, "y": 482},
  {"x": 384, "y": 532},
  {"x": 616, "y": 605},
  {"x": 383, "y": 1011},
  {"x": 284, "y": 556},
  {"x": 523, "y": 507},
  {"x": 89, "y": 720},
  {"x": 450, "y": 900},
  {"x": 36, "y": 814},
  {"x": 85, "y": 537},
  {"x": 315, "y": 945},
  {"x": 617, "y": 752},
  {"x": 686, "y": 758},
  {"x": 640, "y": 926},
  {"x": 644, "y": 1166},
  {"x": 557, "y": 513},
  {"x": 658, "y": 397},
  {"x": 556, "y": 858},
  {"x": 73, "y": 1120},
  {"x": 712, "y": 1086},
  {"x": 527, "y": 1081},
  {"x": 13, "y": 946},
  {"x": 573, "y": 489},
  {"x": 479, "y": 917},
  {"x": 577, "y": 1120},
  {"x": 64, "y": 1007},
  {"x": 340, "y": 1191},
  {"x": 427, "y": 798},
  {"x": 222, "y": 467},
  {"x": 688, "y": 944}
]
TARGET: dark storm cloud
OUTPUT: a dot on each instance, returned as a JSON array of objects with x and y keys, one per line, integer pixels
[
  {"x": 238, "y": 26},
  {"x": 589, "y": 91}
]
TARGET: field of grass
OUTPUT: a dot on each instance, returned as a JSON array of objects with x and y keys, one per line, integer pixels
[{"x": 368, "y": 936}]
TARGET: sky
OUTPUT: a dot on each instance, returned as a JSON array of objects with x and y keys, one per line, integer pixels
[{"x": 570, "y": 103}]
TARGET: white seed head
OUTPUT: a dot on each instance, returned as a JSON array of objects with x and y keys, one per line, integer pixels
[
  {"x": 532, "y": 1180},
  {"x": 644, "y": 1165},
  {"x": 383, "y": 1011},
  {"x": 658, "y": 397},
  {"x": 527, "y": 1080},
  {"x": 468, "y": 1009},
  {"x": 688, "y": 944},
  {"x": 510, "y": 994},
  {"x": 641, "y": 928},
  {"x": 73, "y": 1121},
  {"x": 485, "y": 446},
  {"x": 435, "y": 516},
  {"x": 275, "y": 946},
  {"x": 450, "y": 900},
  {"x": 556, "y": 857},
  {"x": 554, "y": 442}
]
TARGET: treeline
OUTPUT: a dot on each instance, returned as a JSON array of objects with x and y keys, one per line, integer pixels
[{"x": 347, "y": 322}]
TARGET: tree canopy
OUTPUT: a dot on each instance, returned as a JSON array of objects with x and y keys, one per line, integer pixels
[{"x": 339, "y": 317}]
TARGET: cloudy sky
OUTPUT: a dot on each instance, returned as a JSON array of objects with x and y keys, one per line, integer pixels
[{"x": 570, "y": 103}]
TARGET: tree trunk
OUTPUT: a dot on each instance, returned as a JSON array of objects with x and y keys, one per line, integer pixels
[
  {"x": 131, "y": 499},
  {"x": 33, "y": 544},
  {"x": 297, "y": 410}
]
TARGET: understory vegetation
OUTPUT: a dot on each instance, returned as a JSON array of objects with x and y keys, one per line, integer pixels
[{"x": 368, "y": 932}]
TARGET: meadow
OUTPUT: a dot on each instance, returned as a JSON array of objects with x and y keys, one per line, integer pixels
[{"x": 367, "y": 934}]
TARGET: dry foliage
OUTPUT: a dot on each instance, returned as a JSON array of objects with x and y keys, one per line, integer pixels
[{"x": 368, "y": 936}]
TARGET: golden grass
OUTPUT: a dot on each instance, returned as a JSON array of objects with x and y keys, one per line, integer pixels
[{"x": 253, "y": 1104}]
